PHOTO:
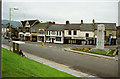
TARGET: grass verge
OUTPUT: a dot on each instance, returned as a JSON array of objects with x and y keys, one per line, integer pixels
[{"x": 14, "y": 65}]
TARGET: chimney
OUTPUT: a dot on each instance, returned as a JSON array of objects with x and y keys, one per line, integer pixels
[
  {"x": 81, "y": 21},
  {"x": 50, "y": 22},
  {"x": 93, "y": 21},
  {"x": 53, "y": 22},
  {"x": 67, "y": 22}
]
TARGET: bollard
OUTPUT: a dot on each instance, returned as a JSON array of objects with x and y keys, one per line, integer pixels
[
  {"x": 42, "y": 43},
  {"x": 10, "y": 48}
]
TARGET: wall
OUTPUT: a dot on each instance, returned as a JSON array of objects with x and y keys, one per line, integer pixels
[{"x": 79, "y": 34}]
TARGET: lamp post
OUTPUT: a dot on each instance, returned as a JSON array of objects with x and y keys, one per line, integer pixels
[{"x": 10, "y": 24}]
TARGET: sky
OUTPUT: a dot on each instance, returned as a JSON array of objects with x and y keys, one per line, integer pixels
[{"x": 62, "y": 10}]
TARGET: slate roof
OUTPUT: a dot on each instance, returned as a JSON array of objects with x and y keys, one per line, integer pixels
[
  {"x": 108, "y": 26},
  {"x": 31, "y": 22},
  {"x": 87, "y": 27},
  {"x": 41, "y": 25},
  {"x": 72, "y": 27},
  {"x": 55, "y": 27},
  {"x": 4, "y": 26}
]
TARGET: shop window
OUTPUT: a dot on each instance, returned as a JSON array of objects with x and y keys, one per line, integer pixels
[
  {"x": 75, "y": 32},
  {"x": 58, "y": 39},
  {"x": 69, "y": 33}
]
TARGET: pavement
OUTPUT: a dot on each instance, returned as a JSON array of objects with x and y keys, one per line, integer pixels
[{"x": 55, "y": 65}]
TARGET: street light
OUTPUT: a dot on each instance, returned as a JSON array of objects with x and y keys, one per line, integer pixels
[
  {"x": 10, "y": 20},
  {"x": 10, "y": 24}
]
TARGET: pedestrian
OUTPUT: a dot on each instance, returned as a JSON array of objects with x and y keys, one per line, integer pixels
[
  {"x": 116, "y": 57},
  {"x": 21, "y": 53}
]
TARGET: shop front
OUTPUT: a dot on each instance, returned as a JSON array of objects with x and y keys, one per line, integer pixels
[
  {"x": 34, "y": 37},
  {"x": 41, "y": 37},
  {"x": 27, "y": 37}
]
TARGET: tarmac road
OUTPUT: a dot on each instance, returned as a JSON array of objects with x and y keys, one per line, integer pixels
[{"x": 88, "y": 64}]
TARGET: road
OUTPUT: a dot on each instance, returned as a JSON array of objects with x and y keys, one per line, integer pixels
[{"x": 88, "y": 64}]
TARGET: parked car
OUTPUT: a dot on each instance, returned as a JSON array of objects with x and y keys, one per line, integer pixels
[{"x": 6, "y": 37}]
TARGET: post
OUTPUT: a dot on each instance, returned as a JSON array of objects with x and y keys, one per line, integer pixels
[
  {"x": 13, "y": 47},
  {"x": 18, "y": 48}
]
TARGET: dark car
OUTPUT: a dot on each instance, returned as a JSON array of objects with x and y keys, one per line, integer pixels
[{"x": 6, "y": 37}]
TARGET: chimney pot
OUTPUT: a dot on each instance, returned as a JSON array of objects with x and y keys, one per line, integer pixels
[
  {"x": 53, "y": 22},
  {"x": 93, "y": 21},
  {"x": 50, "y": 22},
  {"x": 67, "y": 22},
  {"x": 81, "y": 21}
]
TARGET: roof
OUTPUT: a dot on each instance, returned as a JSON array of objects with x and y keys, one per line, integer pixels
[
  {"x": 31, "y": 22},
  {"x": 87, "y": 27},
  {"x": 55, "y": 27},
  {"x": 4, "y": 26},
  {"x": 41, "y": 25},
  {"x": 72, "y": 27},
  {"x": 108, "y": 26}
]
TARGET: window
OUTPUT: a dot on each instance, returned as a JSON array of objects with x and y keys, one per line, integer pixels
[
  {"x": 105, "y": 33},
  {"x": 75, "y": 32},
  {"x": 57, "y": 32},
  {"x": 69, "y": 33},
  {"x": 60, "y": 32},
  {"x": 27, "y": 29},
  {"x": 49, "y": 32},
  {"x": 58, "y": 38},
  {"x": 33, "y": 30},
  {"x": 87, "y": 34}
]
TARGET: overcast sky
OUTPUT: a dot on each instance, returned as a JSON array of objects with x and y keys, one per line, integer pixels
[{"x": 60, "y": 11}]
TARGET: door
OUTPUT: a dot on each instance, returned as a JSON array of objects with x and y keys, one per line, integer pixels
[{"x": 52, "y": 40}]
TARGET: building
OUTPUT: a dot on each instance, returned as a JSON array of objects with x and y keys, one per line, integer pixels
[
  {"x": 25, "y": 29},
  {"x": 4, "y": 30},
  {"x": 38, "y": 31},
  {"x": 78, "y": 33},
  {"x": 55, "y": 33},
  {"x": 110, "y": 33}
]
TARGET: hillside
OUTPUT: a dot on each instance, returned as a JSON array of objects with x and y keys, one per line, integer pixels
[{"x": 14, "y": 23}]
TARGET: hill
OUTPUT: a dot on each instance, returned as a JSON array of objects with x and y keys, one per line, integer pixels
[{"x": 14, "y": 23}]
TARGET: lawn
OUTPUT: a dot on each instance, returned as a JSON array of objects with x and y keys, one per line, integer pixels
[{"x": 14, "y": 65}]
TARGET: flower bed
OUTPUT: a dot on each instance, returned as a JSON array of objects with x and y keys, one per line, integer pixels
[{"x": 111, "y": 53}]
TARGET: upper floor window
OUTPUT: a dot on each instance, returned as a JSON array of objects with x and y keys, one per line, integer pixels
[
  {"x": 105, "y": 33},
  {"x": 60, "y": 33},
  {"x": 27, "y": 30},
  {"x": 69, "y": 32},
  {"x": 57, "y": 32},
  {"x": 33, "y": 30},
  {"x": 75, "y": 32},
  {"x": 87, "y": 34}
]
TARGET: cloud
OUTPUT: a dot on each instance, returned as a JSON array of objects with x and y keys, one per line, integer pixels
[{"x": 62, "y": 11}]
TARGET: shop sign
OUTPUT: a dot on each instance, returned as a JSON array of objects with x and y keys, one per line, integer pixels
[
  {"x": 67, "y": 37},
  {"x": 34, "y": 34},
  {"x": 53, "y": 37},
  {"x": 41, "y": 30}
]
